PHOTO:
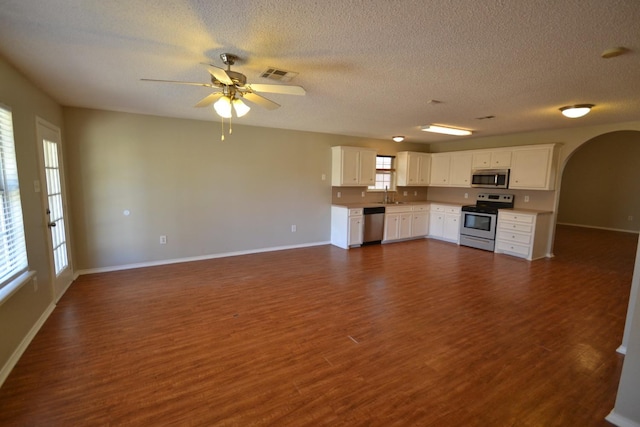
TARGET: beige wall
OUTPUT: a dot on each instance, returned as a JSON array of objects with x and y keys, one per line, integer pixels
[
  {"x": 207, "y": 196},
  {"x": 599, "y": 183},
  {"x": 19, "y": 314}
]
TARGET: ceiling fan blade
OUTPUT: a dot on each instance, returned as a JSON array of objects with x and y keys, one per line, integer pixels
[
  {"x": 261, "y": 101},
  {"x": 209, "y": 99},
  {"x": 179, "y": 82},
  {"x": 284, "y": 89},
  {"x": 220, "y": 75}
]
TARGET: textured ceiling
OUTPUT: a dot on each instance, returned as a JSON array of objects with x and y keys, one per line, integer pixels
[{"x": 370, "y": 67}]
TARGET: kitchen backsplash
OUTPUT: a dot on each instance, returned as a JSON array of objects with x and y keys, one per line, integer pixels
[
  {"x": 355, "y": 195},
  {"x": 539, "y": 200}
]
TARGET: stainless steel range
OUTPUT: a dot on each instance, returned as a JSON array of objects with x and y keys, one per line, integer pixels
[{"x": 478, "y": 225}]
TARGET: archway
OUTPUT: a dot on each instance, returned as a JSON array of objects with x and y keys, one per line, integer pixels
[{"x": 600, "y": 182}]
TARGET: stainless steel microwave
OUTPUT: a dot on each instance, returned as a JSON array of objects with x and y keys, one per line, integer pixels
[{"x": 490, "y": 178}]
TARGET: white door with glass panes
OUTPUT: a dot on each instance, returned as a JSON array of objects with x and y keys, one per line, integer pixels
[{"x": 52, "y": 189}]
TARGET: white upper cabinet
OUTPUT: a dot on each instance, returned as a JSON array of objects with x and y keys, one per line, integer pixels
[
  {"x": 451, "y": 169},
  {"x": 533, "y": 168},
  {"x": 460, "y": 174},
  {"x": 492, "y": 159},
  {"x": 353, "y": 166},
  {"x": 440, "y": 166},
  {"x": 413, "y": 169}
]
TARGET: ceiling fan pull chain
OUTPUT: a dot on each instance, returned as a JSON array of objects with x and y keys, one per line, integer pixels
[
  {"x": 222, "y": 123},
  {"x": 230, "y": 128}
]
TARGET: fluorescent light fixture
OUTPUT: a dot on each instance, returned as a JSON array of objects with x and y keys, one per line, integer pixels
[
  {"x": 445, "y": 130},
  {"x": 575, "y": 111},
  {"x": 240, "y": 107},
  {"x": 223, "y": 107},
  {"x": 398, "y": 138}
]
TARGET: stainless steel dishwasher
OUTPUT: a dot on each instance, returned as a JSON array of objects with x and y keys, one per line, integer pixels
[{"x": 373, "y": 232}]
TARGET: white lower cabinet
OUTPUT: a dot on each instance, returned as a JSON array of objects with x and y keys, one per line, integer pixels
[
  {"x": 420, "y": 221},
  {"x": 523, "y": 234},
  {"x": 346, "y": 226},
  {"x": 356, "y": 224},
  {"x": 444, "y": 222},
  {"x": 405, "y": 222}
]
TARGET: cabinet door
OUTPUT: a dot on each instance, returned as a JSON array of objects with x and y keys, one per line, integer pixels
[
  {"x": 501, "y": 159},
  {"x": 355, "y": 230},
  {"x": 460, "y": 174},
  {"x": 350, "y": 167},
  {"x": 531, "y": 168},
  {"x": 413, "y": 168},
  {"x": 424, "y": 169},
  {"x": 420, "y": 224},
  {"x": 367, "y": 168},
  {"x": 482, "y": 160},
  {"x": 436, "y": 225},
  {"x": 391, "y": 226},
  {"x": 451, "y": 227},
  {"x": 404, "y": 228},
  {"x": 440, "y": 165}
]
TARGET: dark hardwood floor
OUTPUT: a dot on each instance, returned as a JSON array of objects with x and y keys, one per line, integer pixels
[{"x": 421, "y": 333}]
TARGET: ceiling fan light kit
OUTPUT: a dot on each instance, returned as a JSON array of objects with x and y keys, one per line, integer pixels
[
  {"x": 233, "y": 86},
  {"x": 446, "y": 130},
  {"x": 576, "y": 111},
  {"x": 398, "y": 138}
]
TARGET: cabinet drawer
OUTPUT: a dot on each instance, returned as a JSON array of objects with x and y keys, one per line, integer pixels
[
  {"x": 514, "y": 226},
  {"x": 452, "y": 210},
  {"x": 397, "y": 209},
  {"x": 514, "y": 237},
  {"x": 513, "y": 248},
  {"x": 517, "y": 217},
  {"x": 421, "y": 208},
  {"x": 438, "y": 208},
  {"x": 355, "y": 212}
]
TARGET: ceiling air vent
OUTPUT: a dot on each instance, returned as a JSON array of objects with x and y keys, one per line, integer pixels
[{"x": 277, "y": 74}]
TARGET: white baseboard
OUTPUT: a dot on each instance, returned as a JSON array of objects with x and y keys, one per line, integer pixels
[
  {"x": 622, "y": 349},
  {"x": 619, "y": 420},
  {"x": 6, "y": 369},
  {"x": 197, "y": 258},
  {"x": 599, "y": 228}
]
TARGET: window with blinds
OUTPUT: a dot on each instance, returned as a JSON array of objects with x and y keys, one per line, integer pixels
[{"x": 13, "y": 251}]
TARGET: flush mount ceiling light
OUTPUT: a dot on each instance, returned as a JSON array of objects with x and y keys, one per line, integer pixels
[
  {"x": 575, "y": 111},
  {"x": 447, "y": 130},
  {"x": 398, "y": 138}
]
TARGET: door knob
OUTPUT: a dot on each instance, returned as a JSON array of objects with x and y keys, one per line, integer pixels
[{"x": 51, "y": 224}]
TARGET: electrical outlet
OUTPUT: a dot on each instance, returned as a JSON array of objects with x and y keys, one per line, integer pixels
[
  {"x": 163, "y": 240},
  {"x": 339, "y": 194},
  {"x": 324, "y": 177},
  {"x": 466, "y": 195},
  {"x": 362, "y": 194},
  {"x": 405, "y": 193},
  {"x": 415, "y": 193},
  {"x": 293, "y": 228},
  {"x": 526, "y": 199},
  {"x": 630, "y": 218}
]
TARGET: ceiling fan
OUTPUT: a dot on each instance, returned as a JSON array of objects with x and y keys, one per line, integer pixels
[{"x": 232, "y": 88}]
